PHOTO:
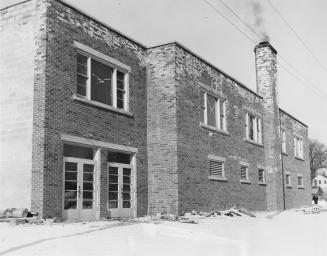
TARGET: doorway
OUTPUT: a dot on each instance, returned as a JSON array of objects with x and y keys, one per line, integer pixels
[
  {"x": 79, "y": 189},
  {"x": 120, "y": 190}
]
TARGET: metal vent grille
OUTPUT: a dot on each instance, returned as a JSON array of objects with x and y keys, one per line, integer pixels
[
  {"x": 244, "y": 170},
  {"x": 216, "y": 168}
]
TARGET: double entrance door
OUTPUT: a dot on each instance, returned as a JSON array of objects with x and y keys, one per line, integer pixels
[{"x": 80, "y": 189}]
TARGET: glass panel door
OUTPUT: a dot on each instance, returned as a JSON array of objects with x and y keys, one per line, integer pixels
[
  {"x": 126, "y": 188},
  {"x": 113, "y": 189},
  {"x": 88, "y": 186},
  {"x": 70, "y": 187}
]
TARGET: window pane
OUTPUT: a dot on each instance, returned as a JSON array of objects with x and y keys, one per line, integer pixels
[
  {"x": 71, "y": 166},
  {"x": 251, "y": 124},
  {"x": 81, "y": 59},
  {"x": 101, "y": 76},
  {"x": 202, "y": 106},
  {"x": 120, "y": 80},
  {"x": 88, "y": 177},
  {"x": 126, "y": 204},
  {"x": 87, "y": 195},
  {"x": 120, "y": 99},
  {"x": 81, "y": 69},
  {"x": 126, "y": 188},
  {"x": 113, "y": 196},
  {"x": 70, "y": 185},
  {"x": 222, "y": 114},
  {"x": 113, "y": 179},
  {"x": 211, "y": 105},
  {"x": 127, "y": 180},
  {"x": 126, "y": 196},
  {"x": 81, "y": 90},
  {"x": 113, "y": 187},
  {"x": 81, "y": 80},
  {"x": 127, "y": 171},
  {"x": 87, "y": 185},
  {"x": 79, "y": 152},
  {"x": 113, "y": 170},
  {"x": 70, "y": 195},
  {"x": 88, "y": 168},
  {"x": 71, "y": 176}
]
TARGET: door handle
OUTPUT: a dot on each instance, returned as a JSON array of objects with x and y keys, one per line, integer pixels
[{"x": 79, "y": 191}]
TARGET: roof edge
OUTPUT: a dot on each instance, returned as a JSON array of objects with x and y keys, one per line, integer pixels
[
  {"x": 100, "y": 22},
  {"x": 208, "y": 63},
  {"x": 293, "y": 117},
  {"x": 12, "y": 5}
]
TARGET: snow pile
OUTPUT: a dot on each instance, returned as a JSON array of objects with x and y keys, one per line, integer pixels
[{"x": 286, "y": 233}]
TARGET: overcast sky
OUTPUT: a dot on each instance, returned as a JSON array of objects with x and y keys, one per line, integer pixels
[{"x": 199, "y": 27}]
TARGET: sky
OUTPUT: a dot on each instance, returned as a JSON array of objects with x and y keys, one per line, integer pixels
[{"x": 201, "y": 28}]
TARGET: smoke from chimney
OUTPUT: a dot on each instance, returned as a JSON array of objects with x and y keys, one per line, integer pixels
[{"x": 258, "y": 20}]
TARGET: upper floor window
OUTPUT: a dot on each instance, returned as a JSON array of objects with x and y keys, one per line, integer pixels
[
  {"x": 288, "y": 179},
  {"x": 213, "y": 111},
  {"x": 298, "y": 147},
  {"x": 283, "y": 141},
  {"x": 100, "y": 81},
  {"x": 253, "y": 128}
]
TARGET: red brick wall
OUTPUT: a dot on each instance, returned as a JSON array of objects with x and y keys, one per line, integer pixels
[
  {"x": 196, "y": 191},
  {"x": 62, "y": 114},
  {"x": 294, "y": 196},
  {"x": 162, "y": 130}
]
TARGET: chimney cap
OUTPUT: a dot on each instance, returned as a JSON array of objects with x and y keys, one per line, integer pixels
[{"x": 265, "y": 44}]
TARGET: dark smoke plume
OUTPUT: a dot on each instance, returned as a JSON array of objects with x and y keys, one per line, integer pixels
[{"x": 258, "y": 20}]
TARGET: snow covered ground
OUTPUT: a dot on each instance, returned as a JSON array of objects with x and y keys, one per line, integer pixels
[{"x": 287, "y": 233}]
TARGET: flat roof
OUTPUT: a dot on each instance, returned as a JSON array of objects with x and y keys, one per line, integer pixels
[
  {"x": 292, "y": 117},
  {"x": 146, "y": 47}
]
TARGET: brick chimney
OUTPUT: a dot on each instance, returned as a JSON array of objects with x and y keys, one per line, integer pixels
[{"x": 266, "y": 71}]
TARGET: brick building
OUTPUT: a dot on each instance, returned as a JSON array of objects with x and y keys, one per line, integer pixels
[{"x": 97, "y": 125}]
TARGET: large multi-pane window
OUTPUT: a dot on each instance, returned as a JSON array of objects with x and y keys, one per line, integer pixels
[
  {"x": 298, "y": 147},
  {"x": 253, "y": 128},
  {"x": 213, "y": 111},
  {"x": 101, "y": 82}
]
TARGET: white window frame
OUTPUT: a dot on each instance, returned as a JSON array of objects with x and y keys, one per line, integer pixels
[
  {"x": 298, "y": 146},
  {"x": 302, "y": 184},
  {"x": 116, "y": 65},
  {"x": 283, "y": 140},
  {"x": 288, "y": 182},
  {"x": 220, "y": 160},
  {"x": 220, "y": 124},
  {"x": 257, "y": 128}
]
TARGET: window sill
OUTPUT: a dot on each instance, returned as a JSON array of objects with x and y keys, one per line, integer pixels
[
  {"x": 299, "y": 158},
  {"x": 300, "y": 187},
  {"x": 218, "y": 178},
  {"x": 214, "y": 129},
  {"x": 289, "y": 186},
  {"x": 101, "y": 105},
  {"x": 245, "y": 181},
  {"x": 262, "y": 183},
  {"x": 253, "y": 143}
]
